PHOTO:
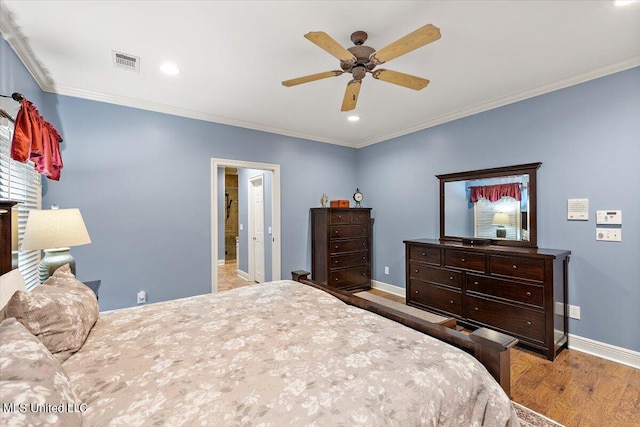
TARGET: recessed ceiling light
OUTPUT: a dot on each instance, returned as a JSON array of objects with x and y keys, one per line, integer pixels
[
  {"x": 170, "y": 69},
  {"x": 623, "y": 2},
  {"x": 353, "y": 118}
]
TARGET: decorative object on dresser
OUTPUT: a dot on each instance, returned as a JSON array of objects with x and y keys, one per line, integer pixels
[
  {"x": 7, "y": 237},
  {"x": 341, "y": 247},
  {"x": 55, "y": 230},
  {"x": 518, "y": 291}
]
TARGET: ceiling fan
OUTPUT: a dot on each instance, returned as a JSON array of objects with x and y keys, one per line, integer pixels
[{"x": 360, "y": 60}]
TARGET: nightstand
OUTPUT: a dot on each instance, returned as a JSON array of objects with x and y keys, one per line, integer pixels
[{"x": 94, "y": 285}]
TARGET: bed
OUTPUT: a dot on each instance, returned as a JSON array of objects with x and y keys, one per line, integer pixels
[{"x": 277, "y": 353}]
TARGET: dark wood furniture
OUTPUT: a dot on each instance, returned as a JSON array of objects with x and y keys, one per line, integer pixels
[
  {"x": 525, "y": 173},
  {"x": 341, "y": 247},
  {"x": 6, "y": 241},
  {"x": 516, "y": 290},
  {"x": 490, "y": 347}
]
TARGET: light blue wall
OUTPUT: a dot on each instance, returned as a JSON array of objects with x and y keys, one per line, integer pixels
[{"x": 588, "y": 140}]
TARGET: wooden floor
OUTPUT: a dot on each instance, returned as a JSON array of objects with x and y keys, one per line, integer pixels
[
  {"x": 576, "y": 389},
  {"x": 228, "y": 277}
]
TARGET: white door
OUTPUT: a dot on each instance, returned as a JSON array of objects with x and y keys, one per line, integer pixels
[{"x": 256, "y": 231}]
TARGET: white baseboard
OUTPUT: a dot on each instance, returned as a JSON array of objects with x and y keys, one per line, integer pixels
[
  {"x": 605, "y": 351},
  {"x": 585, "y": 345},
  {"x": 221, "y": 262},
  {"x": 391, "y": 289},
  {"x": 243, "y": 275}
]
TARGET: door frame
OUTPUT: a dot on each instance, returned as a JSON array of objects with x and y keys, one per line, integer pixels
[
  {"x": 276, "y": 246},
  {"x": 252, "y": 219}
]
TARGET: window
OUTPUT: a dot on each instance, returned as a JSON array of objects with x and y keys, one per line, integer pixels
[
  {"x": 21, "y": 183},
  {"x": 504, "y": 214}
]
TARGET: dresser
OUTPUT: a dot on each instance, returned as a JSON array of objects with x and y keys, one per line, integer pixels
[
  {"x": 517, "y": 291},
  {"x": 341, "y": 247}
]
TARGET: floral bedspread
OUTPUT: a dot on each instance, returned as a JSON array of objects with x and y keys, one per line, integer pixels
[{"x": 276, "y": 354}]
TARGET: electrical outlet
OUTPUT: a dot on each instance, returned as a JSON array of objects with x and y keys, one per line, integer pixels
[
  {"x": 574, "y": 312},
  {"x": 142, "y": 297},
  {"x": 386, "y": 270},
  {"x": 609, "y": 234}
]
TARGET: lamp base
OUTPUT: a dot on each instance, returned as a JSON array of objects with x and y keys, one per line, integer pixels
[
  {"x": 53, "y": 259},
  {"x": 501, "y": 232}
]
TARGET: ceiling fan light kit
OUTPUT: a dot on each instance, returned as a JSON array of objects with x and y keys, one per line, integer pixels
[{"x": 359, "y": 60}]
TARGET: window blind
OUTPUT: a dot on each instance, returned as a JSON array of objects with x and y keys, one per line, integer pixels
[{"x": 21, "y": 183}]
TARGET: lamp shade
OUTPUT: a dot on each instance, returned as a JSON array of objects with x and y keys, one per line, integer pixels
[
  {"x": 54, "y": 228},
  {"x": 501, "y": 219}
]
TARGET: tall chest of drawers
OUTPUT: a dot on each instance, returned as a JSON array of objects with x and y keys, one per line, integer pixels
[
  {"x": 341, "y": 247},
  {"x": 518, "y": 291}
]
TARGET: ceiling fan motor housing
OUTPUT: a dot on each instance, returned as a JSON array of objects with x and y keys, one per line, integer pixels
[{"x": 362, "y": 54}]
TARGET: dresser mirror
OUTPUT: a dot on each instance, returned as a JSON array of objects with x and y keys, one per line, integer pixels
[{"x": 496, "y": 205}]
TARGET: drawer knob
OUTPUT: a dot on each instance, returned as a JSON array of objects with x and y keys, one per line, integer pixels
[
  {"x": 364, "y": 257},
  {"x": 417, "y": 292},
  {"x": 363, "y": 244},
  {"x": 336, "y": 248},
  {"x": 528, "y": 294},
  {"x": 339, "y": 216},
  {"x": 336, "y": 231},
  {"x": 417, "y": 271},
  {"x": 451, "y": 301},
  {"x": 336, "y": 279},
  {"x": 515, "y": 266},
  {"x": 475, "y": 283},
  {"x": 529, "y": 322},
  {"x": 424, "y": 254},
  {"x": 363, "y": 274},
  {"x": 462, "y": 259},
  {"x": 335, "y": 262},
  {"x": 477, "y": 309}
]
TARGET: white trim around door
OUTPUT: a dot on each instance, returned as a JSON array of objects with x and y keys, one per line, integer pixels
[{"x": 276, "y": 247}]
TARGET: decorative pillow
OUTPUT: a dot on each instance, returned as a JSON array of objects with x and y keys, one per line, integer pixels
[
  {"x": 61, "y": 313},
  {"x": 9, "y": 283},
  {"x": 32, "y": 383}
]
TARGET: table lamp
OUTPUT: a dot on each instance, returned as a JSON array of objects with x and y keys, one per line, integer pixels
[
  {"x": 54, "y": 231},
  {"x": 501, "y": 219}
]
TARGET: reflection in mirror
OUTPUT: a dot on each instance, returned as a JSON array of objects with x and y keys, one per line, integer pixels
[
  {"x": 494, "y": 208},
  {"x": 497, "y": 204}
]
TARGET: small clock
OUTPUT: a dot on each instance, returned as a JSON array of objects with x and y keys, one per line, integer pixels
[{"x": 357, "y": 196}]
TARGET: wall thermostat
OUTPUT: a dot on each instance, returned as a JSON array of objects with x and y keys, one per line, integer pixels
[{"x": 608, "y": 217}]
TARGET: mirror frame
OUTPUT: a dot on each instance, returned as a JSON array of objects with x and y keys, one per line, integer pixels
[{"x": 528, "y": 168}]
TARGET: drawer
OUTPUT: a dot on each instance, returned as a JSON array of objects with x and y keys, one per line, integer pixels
[
  {"x": 424, "y": 254},
  {"x": 440, "y": 276},
  {"x": 516, "y": 291},
  {"x": 525, "y": 268},
  {"x": 528, "y": 323},
  {"x": 360, "y": 217},
  {"x": 463, "y": 259},
  {"x": 349, "y": 231},
  {"x": 353, "y": 245},
  {"x": 339, "y": 217},
  {"x": 349, "y": 276},
  {"x": 436, "y": 297},
  {"x": 351, "y": 260}
]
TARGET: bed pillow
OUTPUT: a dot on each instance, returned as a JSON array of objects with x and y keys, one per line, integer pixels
[
  {"x": 61, "y": 313},
  {"x": 9, "y": 283},
  {"x": 31, "y": 380}
]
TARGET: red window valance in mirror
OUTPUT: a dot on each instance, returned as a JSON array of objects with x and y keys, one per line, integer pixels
[{"x": 494, "y": 193}]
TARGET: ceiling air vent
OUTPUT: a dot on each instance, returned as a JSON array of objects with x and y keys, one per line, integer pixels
[{"x": 126, "y": 61}]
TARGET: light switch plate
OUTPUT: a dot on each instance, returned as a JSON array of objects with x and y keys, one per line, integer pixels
[
  {"x": 609, "y": 234},
  {"x": 609, "y": 217}
]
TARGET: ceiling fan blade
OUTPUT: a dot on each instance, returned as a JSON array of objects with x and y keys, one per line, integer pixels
[
  {"x": 311, "y": 78},
  {"x": 324, "y": 41},
  {"x": 401, "y": 79},
  {"x": 351, "y": 95},
  {"x": 406, "y": 44}
]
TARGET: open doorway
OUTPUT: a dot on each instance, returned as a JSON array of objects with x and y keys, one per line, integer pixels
[{"x": 269, "y": 175}]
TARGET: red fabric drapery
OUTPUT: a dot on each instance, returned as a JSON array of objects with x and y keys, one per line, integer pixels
[
  {"x": 37, "y": 140},
  {"x": 493, "y": 193}
]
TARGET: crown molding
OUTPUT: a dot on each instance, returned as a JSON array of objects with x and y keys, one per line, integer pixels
[
  {"x": 510, "y": 99},
  {"x": 20, "y": 45}
]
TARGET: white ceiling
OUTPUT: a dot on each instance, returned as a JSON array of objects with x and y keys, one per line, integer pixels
[{"x": 234, "y": 54}]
